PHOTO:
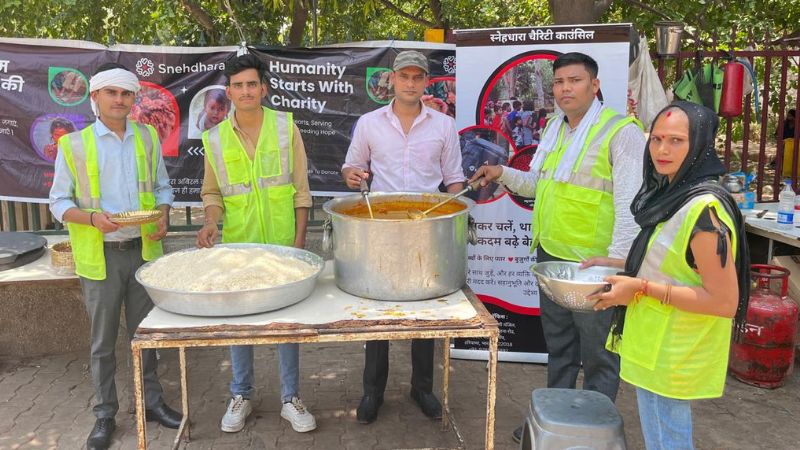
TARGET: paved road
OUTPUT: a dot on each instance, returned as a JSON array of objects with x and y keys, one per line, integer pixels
[{"x": 46, "y": 403}]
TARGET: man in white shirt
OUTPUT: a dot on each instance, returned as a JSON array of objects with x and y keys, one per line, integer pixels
[
  {"x": 113, "y": 166},
  {"x": 586, "y": 171},
  {"x": 406, "y": 146}
]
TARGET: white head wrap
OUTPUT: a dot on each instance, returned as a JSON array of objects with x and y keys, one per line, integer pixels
[{"x": 117, "y": 77}]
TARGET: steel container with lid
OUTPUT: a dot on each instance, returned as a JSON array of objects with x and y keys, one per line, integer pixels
[{"x": 18, "y": 249}]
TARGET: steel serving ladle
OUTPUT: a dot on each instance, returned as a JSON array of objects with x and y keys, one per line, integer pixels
[
  {"x": 416, "y": 214},
  {"x": 365, "y": 194}
]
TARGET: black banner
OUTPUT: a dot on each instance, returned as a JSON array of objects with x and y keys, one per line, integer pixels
[
  {"x": 328, "y": 89},
  {"x": 44, "y": 94}
]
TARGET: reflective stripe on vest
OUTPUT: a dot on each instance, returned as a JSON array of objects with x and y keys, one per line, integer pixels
[
  {"x": 258, "y": 195},
  {"x": 282, "y": 121},
  {"x": 84, "y": 197},
  {"x": 582, "y": 176},
  {"x": 80, "y": 153},
  {"x": 145, "y": 168},
  {"x": 666, "y": 350},
  {"x": 574, "y": 220}
]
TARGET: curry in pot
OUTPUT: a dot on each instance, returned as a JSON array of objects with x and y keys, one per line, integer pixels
[{"x": 398, "y": 209}]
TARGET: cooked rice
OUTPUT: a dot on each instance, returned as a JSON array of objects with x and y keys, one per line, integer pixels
[{"x": 224, "y": 269}]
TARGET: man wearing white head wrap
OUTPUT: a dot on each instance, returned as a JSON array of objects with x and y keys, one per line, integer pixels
[{"x": 113, "y": 166}]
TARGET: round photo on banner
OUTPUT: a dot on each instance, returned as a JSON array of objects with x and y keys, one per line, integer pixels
[
  {"x": 47, "y": 129},
  {"x": 517, "y": 98},
  {"x": 522, "y": 161},
  {"x": 207, "y": 109},
  {"x": 482, "y": 146},
  {"x": 156, "y": 106},
  {"x": 67, "y": 86},
  {"x": 440, "y": 94},
  {"x": 379, "y": 85}
]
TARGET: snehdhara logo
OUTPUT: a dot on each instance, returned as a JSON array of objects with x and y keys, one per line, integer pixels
[
  {"x": 449, "y": 64},
  {"x": 145, "y": 67}
]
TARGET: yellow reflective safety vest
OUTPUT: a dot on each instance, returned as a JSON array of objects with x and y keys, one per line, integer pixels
[
  {"x": 666, "y": 350},
  {"x": 80, "y": 154},
  {"x": 258, "y": 195},
  {"x": 575, "y": 219}
]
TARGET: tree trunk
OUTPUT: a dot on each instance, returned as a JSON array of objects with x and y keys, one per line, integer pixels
[
  {"x": 414, "y": 18},
  {"x": 568, "y": 12},
  {"x": 299, "y": 19},
  {"x": 202, "y": 17},
  {"x": 436, "y": 9}
]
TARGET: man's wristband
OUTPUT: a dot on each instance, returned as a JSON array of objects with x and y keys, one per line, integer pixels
[{"x": 91, "y": 217}]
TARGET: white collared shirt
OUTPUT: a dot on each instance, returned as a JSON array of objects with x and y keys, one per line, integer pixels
[{"x": 418, "y": 162}]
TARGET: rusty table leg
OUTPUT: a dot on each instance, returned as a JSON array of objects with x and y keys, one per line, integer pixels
[
  {"x": 184, "y": 427},
  {"x": 138, "y": 392},
  {"x": 491, "y": 393},
  {"x": 446, "y": 384}
]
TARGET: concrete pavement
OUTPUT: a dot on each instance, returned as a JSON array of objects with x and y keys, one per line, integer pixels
[{"x": 45, "y": 403}]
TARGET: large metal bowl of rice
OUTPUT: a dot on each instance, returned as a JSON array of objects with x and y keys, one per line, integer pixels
[
  {"x": 568, "y": 285},
  {"x": 230, "y": 279}
]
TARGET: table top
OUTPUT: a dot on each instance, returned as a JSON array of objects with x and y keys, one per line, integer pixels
[
  {"x": 767, "y": 225},
  {"x": 329, "y": 308},
  {"x": 39, "y": 270}
]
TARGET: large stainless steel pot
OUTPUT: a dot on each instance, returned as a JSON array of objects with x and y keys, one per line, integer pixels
[
  {"x": 237, "y": 303},
  {"x": 398, "y": 260}
]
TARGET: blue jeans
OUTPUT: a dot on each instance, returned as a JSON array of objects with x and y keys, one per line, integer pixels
[
  {"x": 242, "y": 368},
  {"x": 666, "y": 422}
]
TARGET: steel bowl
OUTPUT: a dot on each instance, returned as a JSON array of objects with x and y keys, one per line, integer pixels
[
  {"x": 237, "y": 303},
  {"x": 568, "y": 285}
]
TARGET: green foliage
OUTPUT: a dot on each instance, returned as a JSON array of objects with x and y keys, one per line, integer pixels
[
  {"x": 268, "y": 21},
  {"x": 139, "y": 21},
  {"x": 263, "y": 22},
  {"x": 705, "y": 18}
]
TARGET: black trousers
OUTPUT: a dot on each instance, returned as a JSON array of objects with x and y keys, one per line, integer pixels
[
  {"x": 376, "y": 366},
  {"x": 575, "y": 340}
]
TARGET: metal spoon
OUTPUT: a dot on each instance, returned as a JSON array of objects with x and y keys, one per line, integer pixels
[
  {"x": 365, "y": 194},
  {"x": 416, "y": 214}
]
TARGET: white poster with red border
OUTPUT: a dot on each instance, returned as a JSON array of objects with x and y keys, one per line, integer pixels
[{"x": 512, "y": 68}]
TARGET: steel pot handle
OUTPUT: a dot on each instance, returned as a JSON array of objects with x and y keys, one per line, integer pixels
[
  {"x": 472, "y": 231},
  {"x": 327, "y": 235}
]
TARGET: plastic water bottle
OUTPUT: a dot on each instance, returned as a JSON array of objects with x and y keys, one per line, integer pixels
[{"x": 786, "y": 206}]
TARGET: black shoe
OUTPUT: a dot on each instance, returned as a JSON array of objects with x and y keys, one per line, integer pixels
[
  {"x": 368, "y": 408},
  {"x": 428, "y": 403},
  {"x": 517, "y": 435},
  {"x": 100, "y": 437},
  {"x": 164, "y": 415}
]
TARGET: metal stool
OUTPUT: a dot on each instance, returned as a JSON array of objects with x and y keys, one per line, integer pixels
[{"x": 572, "y": 419}]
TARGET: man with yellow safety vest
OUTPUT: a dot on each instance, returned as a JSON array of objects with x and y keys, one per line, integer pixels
[
  {"x": 256, "y": 180},
  {"x": 113, "y": 166},
  {"x": 584, "y": 175}
]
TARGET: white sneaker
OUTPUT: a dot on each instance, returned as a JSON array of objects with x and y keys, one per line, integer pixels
[
  {"x": 238, "y": 410},
  {"x": 297, "y": 414}
]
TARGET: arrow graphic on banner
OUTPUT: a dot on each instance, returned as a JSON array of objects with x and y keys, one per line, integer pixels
[{"x": 195, "y": 151}]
